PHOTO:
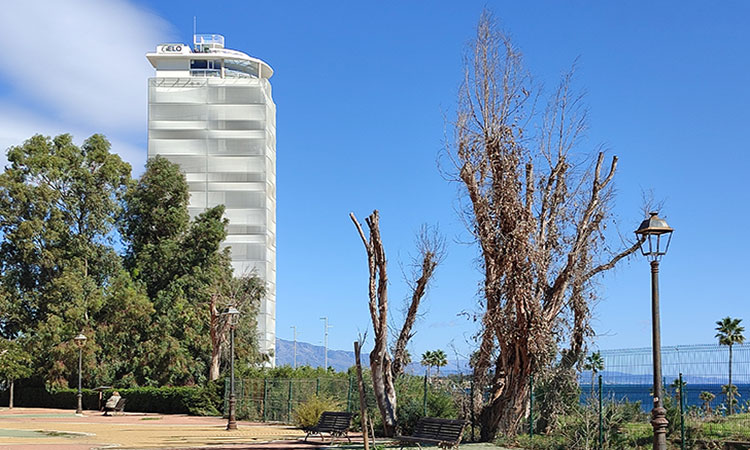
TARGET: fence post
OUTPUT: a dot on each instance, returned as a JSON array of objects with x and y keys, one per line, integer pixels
[
  {"x": 424, "y": 397},
  {"x": 682, "y": 415},
  {"x": 289, "y": 404},
  {"x": 601, "y": 427},
  {"x": 265, "y": 399},
  {"x": 531, "y": 405}
]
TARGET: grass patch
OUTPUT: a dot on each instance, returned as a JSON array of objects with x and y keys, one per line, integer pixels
[{"x": 734, "y": 426}]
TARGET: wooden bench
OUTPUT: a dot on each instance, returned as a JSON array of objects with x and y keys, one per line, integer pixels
[
  {"x": 445, "y": 433},
  {"x": 119, "y": 407},
  {"x": 334, "y": 423}
]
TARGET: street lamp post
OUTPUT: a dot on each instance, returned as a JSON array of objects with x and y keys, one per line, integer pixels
[
  {"x": 295, "y": 345},
  {"x": 325, "y": 341},
  {"x": 80, "y": 341},
  {"x": 655, "y": 236},
  {"x": 233, "y": 315}
]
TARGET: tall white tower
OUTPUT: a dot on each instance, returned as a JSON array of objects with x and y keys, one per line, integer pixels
[{"x": 210, "y": 110}]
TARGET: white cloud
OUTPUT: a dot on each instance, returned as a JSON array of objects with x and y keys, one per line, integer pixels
[
  {"x": 19, "y": 124},
  {"x": 81, "y": 62}
]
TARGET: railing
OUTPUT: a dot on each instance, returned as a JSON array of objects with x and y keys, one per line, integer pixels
[
  {"x": 205, "y": 73},
  {"x": 203, "y": 42}
]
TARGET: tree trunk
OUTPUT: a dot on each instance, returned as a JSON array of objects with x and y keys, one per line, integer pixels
[
  {"x": 385, "y": 392},
  {"x": 217, "y": 329},
  {"x": 12, "y": 386},
  {"x": 213, "y": 373},
  {"x": 505, "y": 412},
  {"x": 730, "y": 393},
  {"x": 215, "y": 360},
  {"x": 383, "y": 368}
]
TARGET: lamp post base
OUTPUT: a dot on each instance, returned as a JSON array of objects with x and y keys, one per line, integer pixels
[
  {"x": 79, "y": 410},
  {"x": 659, "y": 423},
  {"x": 232, "y": 423}
]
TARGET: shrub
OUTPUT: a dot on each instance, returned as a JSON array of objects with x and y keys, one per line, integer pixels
[
  {"x": 195, "y": 400},
  {"x": 307, "y": 413}
]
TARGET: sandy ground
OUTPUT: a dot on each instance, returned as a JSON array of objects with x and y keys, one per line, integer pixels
[
  {"x": 27, "y": 428},
  {"x": 55, "y": 429}
]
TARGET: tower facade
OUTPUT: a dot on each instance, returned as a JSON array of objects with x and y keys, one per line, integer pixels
[{"x": 210, "y": 111}]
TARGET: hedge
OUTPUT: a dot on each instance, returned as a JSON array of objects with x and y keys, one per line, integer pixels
[{"x": 194, "y": 400}]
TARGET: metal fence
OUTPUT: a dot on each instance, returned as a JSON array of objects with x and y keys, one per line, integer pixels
[
  {"x": 698, "y": 408},
  {"x": 696, "y": 390},
  {"x": 275, "y": 399}
]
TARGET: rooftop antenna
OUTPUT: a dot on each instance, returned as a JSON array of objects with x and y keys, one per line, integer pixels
[{"x": 195, "y": 25}]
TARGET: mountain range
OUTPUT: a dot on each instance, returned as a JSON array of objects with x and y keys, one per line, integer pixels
[{"x": 341, "y": 360}]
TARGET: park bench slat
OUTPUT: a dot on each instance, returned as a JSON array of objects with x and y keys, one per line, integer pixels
[
  {"x": 334, "y": 423},
  {"x": 446, "y": 433}
]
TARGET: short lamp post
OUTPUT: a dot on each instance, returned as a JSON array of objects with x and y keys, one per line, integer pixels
[
  {"x": 80, "y": 341},
  {"x": 655, "y": 236},
  {"x": 233, "y": 316}
]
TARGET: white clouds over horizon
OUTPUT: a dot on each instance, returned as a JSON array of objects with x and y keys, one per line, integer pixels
[{"x": 78, "y": 66}]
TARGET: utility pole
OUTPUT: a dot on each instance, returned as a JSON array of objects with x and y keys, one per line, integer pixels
[
  {"x": 325, "y": 340},
  {"x": 295, "y": 345}
]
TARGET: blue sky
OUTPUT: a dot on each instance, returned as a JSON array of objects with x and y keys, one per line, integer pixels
[{"x": 364, "y": 94}]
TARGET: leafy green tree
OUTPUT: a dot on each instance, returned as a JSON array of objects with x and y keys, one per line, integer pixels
[
  {"x": 155, "y": 219},
  {"x": 124, "y": 329},
  {"x": 187, "y": 276},
  {"x": 15, "y": 364},
  {"x": 729, "y": 332},
  {"x": 58, "y": 205}
]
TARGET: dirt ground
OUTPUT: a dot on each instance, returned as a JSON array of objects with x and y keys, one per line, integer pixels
[
  {"x": 36, "y": 428},
  {"x": 56, "y": 429}
]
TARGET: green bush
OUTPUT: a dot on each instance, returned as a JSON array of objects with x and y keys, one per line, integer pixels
[
  {"x": 195, "y": 400},
  {"x": 307, "y": 413},
  {"x": 39, "y": 397}
]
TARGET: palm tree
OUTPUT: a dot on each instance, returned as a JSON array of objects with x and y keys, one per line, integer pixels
[
  {"x": 440, "y": 359},
  {"x": 731, "y": 392},
  {"x": 707, "y": 398},
  {"x": 595, "y": 363},
  {"x": 427, "y": 359},
  {"x": 729, "y": 332}
]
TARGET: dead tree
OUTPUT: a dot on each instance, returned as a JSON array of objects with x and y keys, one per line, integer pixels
[
  {"x": 431, "y": 252},
  {"x": 384, "y": 368},
  {"x": 538, "y": 210}
]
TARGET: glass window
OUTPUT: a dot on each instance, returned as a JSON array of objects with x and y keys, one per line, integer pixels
[{"x": 198, "y": 64}]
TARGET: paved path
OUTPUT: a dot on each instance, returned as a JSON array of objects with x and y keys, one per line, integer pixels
[
  {"x": 51, "y": 429},
  {"x": 35, "y": 428}
]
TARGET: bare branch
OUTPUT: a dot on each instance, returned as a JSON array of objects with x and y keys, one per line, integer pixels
[{"x": 431, "y": 247}]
